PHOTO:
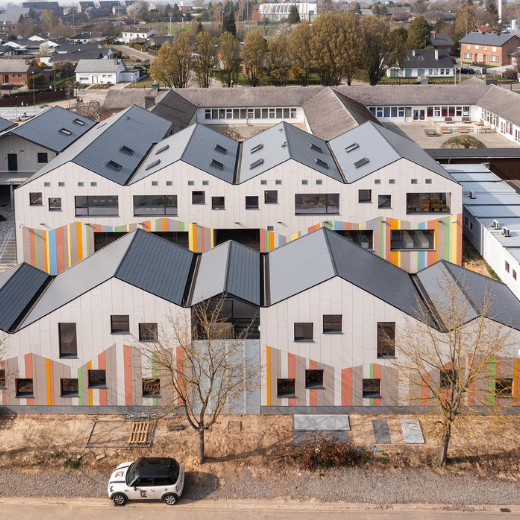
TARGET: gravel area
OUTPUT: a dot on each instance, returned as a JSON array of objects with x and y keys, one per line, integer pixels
[{"x": 350, "y": 485}]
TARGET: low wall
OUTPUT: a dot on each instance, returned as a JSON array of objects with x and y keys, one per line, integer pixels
[{"x": 28, "y": 99}]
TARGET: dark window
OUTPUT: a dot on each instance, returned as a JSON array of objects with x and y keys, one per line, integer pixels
[
  {"x": 155, "y": 205},
  {"x": 286, "y": 387},
  {"x": 316, "y": 204},
  {"x": 384, "y": 201},
  {"x": 251, "y": 202},
  {"x": 35, "y": 199},
  {"x": 385, "y": 340},
  {"x": 151, "y": 387},
  {"x": 303, "y": 331},
  {"x": 24, "y": 388},
  {"x": 54, "y": 204},
  {"x": 42, "y": 157},
  {"x": 504, "y": 387},
  {"x": 234, "y": 316},
  {"x": 514, "y": 274},
  {"x": 2, "y": 378},
  {"x": 427, "y": 203},
  {"x": 164, "y": 481},
  {"x": 103, "y": 238},
  {"x": 371, "y": 387},
  {"x": 68, "y": 340},
  {"x": 69, "y": 388},
  {"x": 365, "y": 195},
  {"x": 270, "y": 196},
  {"x": 314, "y": 379},
  {"x": 97, "y": 378},
  {"x": 412, "y": 239},
  {"x": 99, "y": 205},
  {"x": 363, "y": 238},
  {"x": 198, "y": 197},
  {"x": 448, "y": 378},
  {"x": 119, "y": 323},
  {"x": 143, "y": 482},
  {"x": 147, "y": 331},
  {"x": 332, "y": 323},
  {"x": 217, "y": 203},
  {"x": 506, "y": 265}
]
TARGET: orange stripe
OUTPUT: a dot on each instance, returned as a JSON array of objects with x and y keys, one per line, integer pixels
[
  {"x": 79, "y": 237},
  {"x": 59, "y": 250},
  {"x": 90, "y": 393},
  {"x": 292, "y": 375},
  {"x": 127, "y": 354},
  {"x": 313, "y": 394},
  {"x": 376, "y": 370},
  {"x": 102, "y": 391},
  {"x": 346, "y": 387}
]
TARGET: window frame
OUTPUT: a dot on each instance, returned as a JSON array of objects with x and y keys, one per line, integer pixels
[
  {"x": 500, "y": 393},
  {"x": 54, "y": 207},
  {"x": 165, "y": 206},
  {"x": 287, "y": 393},
  {"x": 198, "y": 193},
  {"x": 43, "y": 155},
  {"x": 328, "y": 202},
  {"x": 368, "y": 196},
  {"x": 61, "y": 332},
  {"x": 371, "y": 394},
  {"x": 383, "y": 337},
  {"x": 143, "y": 338},
  {"x": 215, "y": 205},
  {"x": 96, "y": 384},
  {"x": 428, "y": 233},
  {"x": 69, "y": 393},
  {"x": 252, "y": 197},
  {"x": 125, "y": 331},
  {"x": 32, "y": 198},
  {"x": 88, "y": 208},
  {"x": 268, "y": 197},
  {"x": 309, "y": 383},
  {"x": 331, "y": 330},
  {"x": 446, "y": 376},
  {"x": 151, "y": 381},
  {"x": 303, "y": 326},
  {"x": 23, "y": 395},
  {"x": 384, "y": 205}
]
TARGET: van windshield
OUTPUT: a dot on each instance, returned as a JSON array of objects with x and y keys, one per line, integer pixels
[{"x": 130, "y": 474}]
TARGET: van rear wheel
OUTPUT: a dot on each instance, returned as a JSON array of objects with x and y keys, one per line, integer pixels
[{"x": 170, "y": 499}]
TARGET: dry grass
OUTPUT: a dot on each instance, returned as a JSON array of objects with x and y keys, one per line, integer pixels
[{"x": 472, "y": 260}]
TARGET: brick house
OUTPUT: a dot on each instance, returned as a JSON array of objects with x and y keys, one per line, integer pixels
[
  {"x": 19, "y": 72},
  {"x": 489, "y": 48}
]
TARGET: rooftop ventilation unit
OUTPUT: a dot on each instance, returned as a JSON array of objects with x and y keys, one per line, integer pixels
[
  {"x": 79, "y": 122},
  {"x": 351, "y": 148},
  {"x": 127, "y": 150},
  {"x": 65, "y": 131},
  {"x": 315, "y": 147},
  {"x": 114, "y": 165},
  {"x": 361, "y": 162},
  {"x": 257, "y": 148},
  {"x": 506, "y": 231},
  {"x": 216, "y": 164},
  {"x": 495, "y": 224},
  {"x": 321, "y": 163},
  {"x": 256, "y": 163},
  {"x": 153, "y": 164},
  {"x": 163, "y": 149},
  {"x": 472, "y": 195},
  {"x": 220, "y": 149}
]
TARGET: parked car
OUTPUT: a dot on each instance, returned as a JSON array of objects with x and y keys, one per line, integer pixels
[{"x": 147, "y": 479}]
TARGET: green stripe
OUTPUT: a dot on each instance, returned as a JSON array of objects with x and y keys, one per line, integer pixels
[
  {"x": 181, "y": 226},
  {"x": 447, "y": 234},
  {"x": 492, "y": 381},
  {"x": 80, "y": 392}
]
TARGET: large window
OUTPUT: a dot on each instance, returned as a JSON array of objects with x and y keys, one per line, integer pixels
[
  {"x": 250, "y": 113},
  {"x": 332, "y": 323},
  {"x": 69, "y": 388},
  {"x": 97, "y": 378},
  {"x": 198, "y": 197},
  {"x": 97, "y": 205},
  {"x": 24, "y": 388},
  {"x": 363, "y": 237},
  {"x": 35, "y": 199},
  {"x": 371, "y": 387},
  {"x": 120, "y": 323},
  {"x": 270, "y": 196},
  {"x": 218, "y": 203},
  {"x": 412, "y": 239},
  {"x": 54, "y": 203},
  {"x": 317, "y": 204},
  {"x": 148, "y": 332},
  {"x": 385, "y": 340},
  {"x": 68, "y": 340},
  {"x": 314, "y": 379},
  {"x": 427, "y": 203},
  {"x": 365, "y": 195},
  {"x": 155, "y": 205},
  {"x": 303, "y": 331},
  {"x": 384, "y": 201},
  {"x": 251, "y": 202},
  {"x": 286, "y": 387}
]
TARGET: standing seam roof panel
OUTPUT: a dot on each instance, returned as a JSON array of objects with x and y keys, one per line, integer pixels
[{"x": 243, "y": 273}]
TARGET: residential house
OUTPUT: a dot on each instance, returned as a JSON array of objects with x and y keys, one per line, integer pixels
[
  {"x": 108, "y": 4},
  {"x": 75, "y": 55},
  {"x": 94, "y": 71},
  {"x": 441, "y": 41},
  {"x": 156, "y": 42},
  {"x": 87, "y": 38},
  {"x": 136, "y": 33},
  {"x": 488, "y": 48},
  {"x": 39, "y": 7},
  {"x": 425, "y": 63},
  {"x": 14, "y": 17},
  {"x": 84, "y": 5},
  {"x": 21, "y": 71}
]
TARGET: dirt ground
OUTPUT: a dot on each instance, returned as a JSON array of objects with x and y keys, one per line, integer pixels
[{"x": 472, "y": 260}]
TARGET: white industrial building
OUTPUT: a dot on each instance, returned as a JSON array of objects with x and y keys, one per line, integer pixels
[{"x": 277, "y": 12}]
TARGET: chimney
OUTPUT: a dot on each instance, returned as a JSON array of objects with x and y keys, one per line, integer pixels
[
  {"x": 413, "y": 52},
  {"x": 434, "y": 34},
  {"x": 436, "y": 54},
  {"x": 149, "y": 102},
  {"x": 155, "y": 86}
]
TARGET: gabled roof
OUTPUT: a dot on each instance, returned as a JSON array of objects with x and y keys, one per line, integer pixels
[
  {"x": 16, "y": 65},
  {"x": 502, "y": 102},
  {"x": 370, "y": 147},
  {"x": 54, "y": 129},
  {"x": 6, "y": 125},
  {"x": 489, "y": 38},
  {"x": 427, "y": 58},
  {"x": 94, "y": 66},
  {"x": 126, "y": 97},
  {"x": 441, "y": 39},
  {"x": 175, "y": 108}
]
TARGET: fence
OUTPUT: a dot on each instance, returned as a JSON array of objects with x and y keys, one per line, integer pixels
[{"x": 28, "y": 99}]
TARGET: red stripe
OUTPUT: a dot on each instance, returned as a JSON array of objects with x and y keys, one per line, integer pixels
[
  {"x": 377, "y": 375},
  {"x": 103, "y": 391},
  {"x": 127, "y": 354},
  {"x": 59, "y": 250},
  {"x": 346, "y": 387},
  {"x": 31, "y": 243},
  {"x": 313, "y": 394},
  {"x": 262, "y": 241},
  {"x": 292, "y": 375}
]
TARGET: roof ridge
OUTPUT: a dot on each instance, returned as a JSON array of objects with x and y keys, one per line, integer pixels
[
  {"x": 226, "y": 267},
  {"x": 136, "y": 232},
  {"x": 332, "y": 259},
  {"x": 324, "y": 89}
]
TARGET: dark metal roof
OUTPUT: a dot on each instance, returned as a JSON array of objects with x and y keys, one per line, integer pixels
[
  {"x": 494, "y": 39},
  {"x": 5, "y": 124},
  {"x": 427, "y": 58},
  {"x": 440, "y": 154},
  {"x": 19, "y": 288},
  {"x": 55, "y": 129},
  {"x": 175, "y": 108}
]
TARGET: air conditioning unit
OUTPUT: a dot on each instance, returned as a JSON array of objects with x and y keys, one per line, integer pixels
[
  {"x": 472, "y": 195},
  {"x": 506, "y": 231},
  {"x": 495, "y": 224}
]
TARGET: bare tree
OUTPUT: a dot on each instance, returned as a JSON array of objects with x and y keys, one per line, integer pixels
[
  {"x": 449, "y": 358},
  {"x": 202, "y": 366}
]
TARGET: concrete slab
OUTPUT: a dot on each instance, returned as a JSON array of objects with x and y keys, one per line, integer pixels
[
  {"x": 299, "y": 437},
  {"x": 412, "y": 432},
  {"x": 311, "y": 423},
  {"x": 381, "y": 432}
]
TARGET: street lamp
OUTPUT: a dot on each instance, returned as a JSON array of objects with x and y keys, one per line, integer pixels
[{"x": 170, "y": 27}]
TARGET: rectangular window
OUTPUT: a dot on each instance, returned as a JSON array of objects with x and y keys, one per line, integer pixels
[
  {"x": 314, "y": 379},
  {"x": 54, "y": 204},
  {"x": 198, "y": 197},
  {"x": 152, "y": 387},
  {"x": 363, "y": 238},
  {"x": 332, "y": 323},
  {"x": 506, "y": 266},
  {"x": 514, "y": 274},
  {"x": 448, "y": 378},
  {"x": 148, "y": 331},
  {"x": 493, "y": 59},
  {"x": 303, "y": 331},
  {"x": 365, "y": 195},
  {"x": 99, "y": 205},
  {"x": 69, "y": 388},
  {"x": 97, "y": 378},
  {"x": 24, "y": 388},
  {"x": 385, "y": 340},
  {"x": 427, "y": 203},
  {"x": 271, "y": 197},
  {"x": 411, "y": 239},
  {"x": 120, "y": 324},
  {"x": 317, "y": 204},
  {"x": 35, "y": 199},
  {"x": 155, "y": 205},
  {"x": 384, "y": 201},
  {"x": 251, "y": 202},
  {"x": 2, "y": 378},
  {"x": 42, "y": 157},
  {"x": 504, "y": 387},
  {"x": 68, "y": 340},
  {"x": 286, "y": 387},
  {"x": 217, "y": 203},
  {"x": 371, "y": 387}
]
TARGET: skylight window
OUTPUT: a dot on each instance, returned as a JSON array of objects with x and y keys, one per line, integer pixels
[
  {"x": 256, "y": 163},
  {"x": 153, "y": 164},
  {"x": 361, "y": 162},
  {"x": 351, "y": 148},
  {"x": 257, "y": 148},
  {"x": 216, "y": 164},
  {"x": 220, "y": 149},
  {"x": 79, "y": 122},
  {"x": 315, "y": 147},
  {"x": 163, "y": 149},
  {"x": 127, "y": 150},
  {"x": 65, "y": 131},
  {"x": 321, "y": 163},
  {"x": 114, "y": 165}
]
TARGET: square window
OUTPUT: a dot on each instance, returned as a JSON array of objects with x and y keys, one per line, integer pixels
[
  {"x": 448, "y": 378},
  {"x": 384, "y": 201},
  {"x": 120, "y": 324},
  {"x": 152, "y": 388},
  {"x": 504, "y": 387},
  {"x": 286, "y": 387},
  {"x": 35, "y": 199},
  {"x": 332, "y": 323},
  {"x": 319, "y": 182},
  {"x": 54, "y": 204},
  {"x": 97, "y": 378},
  {"x": 42, "y": 157},
  {"x": 270, "y": 228},
  {"x": 24, "y": 388},
  {"x": 191, "y": 183},
  {"x": 270, "y": 196},
  {"x": 69, "y": 387},
  {"x": 365, "y": 195},
  {"x": 303, "y": 331},
  {"x": 218, "y": 203},
  {"x": 371, "y": 387},
  {"x": 68, "y": 340},
  {"x": 205, "y": 183},
  {"x": 148, "y": 331},
  {"x": 263, "y": 183},
  {"x": 314, "y": 379},
  {"x": 507, "y": 266},
  {"x": 2, "y": 378},
  {"x": 198, "y": 197},
  {"x": 252, "y": 202},
  {"x": 385, "y": 340}
]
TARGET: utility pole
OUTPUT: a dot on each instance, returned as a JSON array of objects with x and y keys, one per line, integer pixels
[
  {"x": 170, "y": 27},
  {"x": 73, "y": 17}
]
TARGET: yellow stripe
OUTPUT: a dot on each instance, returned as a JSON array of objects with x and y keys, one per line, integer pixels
[
  {"x": 191, "y": 237},
  {"x": 68, "y": 244},
  {"x": 48, "y": 369},
  {"x": 268, "y": 375},
  {"x": 212, "y": 236},
  {"x": 47, "y": 253},
  {"x": 90, "y": 396}
]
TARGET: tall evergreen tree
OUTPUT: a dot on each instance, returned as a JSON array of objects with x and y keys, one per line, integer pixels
[
  {"x": 228, "y": 24},
  {"x": 294, "y": 16},
  {"x": 419, "y": 34}
]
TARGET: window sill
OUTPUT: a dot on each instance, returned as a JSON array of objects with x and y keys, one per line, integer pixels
[
  {"x": 386, "y": 357},
  {"x": 333, "y": 333},
  {"x": 384, "y": 207},
  {"x": 218, "y": 209},
  {"x": 291, "y": 396},
  {"x": 37, "y": 205},
  {"x": 120, "y": 333},
  {"x": 147, "y": 340},
  {"x": 68, "y": 357},
  {"x": 304, "y": 341},
  {"x": 319, "y": 387},
  {"x": 317, "y": 213},
  {"x": 377, "y": 396},
  {"x": 158, "y": 215},
  {"x": 30, "y": 396},
  {"x": 98, "y": 216},
  {"x": 65, "y": 396},
  {"x": 412, "y": 249},
  {"x": 270, "y": 202},
  {"x": 151, "y": 396},
  {"x": 54, "y": 209},
  {"x": 364, "y": 202},
  {"x": 428, "y": 213},
  {"x": 198, "y": 203},
  {"x": 98, "y": 387}
]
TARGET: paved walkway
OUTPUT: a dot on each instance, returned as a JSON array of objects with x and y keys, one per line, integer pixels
[{"x": 135, "y": 53}]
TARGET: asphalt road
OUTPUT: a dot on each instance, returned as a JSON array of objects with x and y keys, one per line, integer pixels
[
  {"x": 47, "y": 509},
  {"x": 132, "y": 52}
]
